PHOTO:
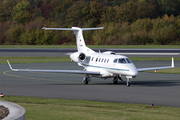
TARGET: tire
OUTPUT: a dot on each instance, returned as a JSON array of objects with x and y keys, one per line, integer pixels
[
  {"x": 128, "y": 84},
  {"x": 86, "y": 81},
  {"x": 115, "y": 82}
]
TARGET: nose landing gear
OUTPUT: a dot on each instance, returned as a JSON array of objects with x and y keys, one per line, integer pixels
[{"x": 128, "y": 81}]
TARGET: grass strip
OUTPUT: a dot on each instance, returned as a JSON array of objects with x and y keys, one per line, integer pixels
[
  {"x": 60, "y": 109},
  {"x": 91, "y": 46},
  {"x": 33, "y": 59}
]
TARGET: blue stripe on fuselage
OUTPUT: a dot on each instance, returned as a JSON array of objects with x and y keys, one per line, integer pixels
[{"x": 105, "y": 67}]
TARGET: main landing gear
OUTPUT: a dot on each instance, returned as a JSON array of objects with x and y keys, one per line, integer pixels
[
  {"x": 116, "y": 78},
  {"x": 86, "y": 79}
]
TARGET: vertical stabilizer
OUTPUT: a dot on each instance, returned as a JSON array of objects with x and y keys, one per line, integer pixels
[{"x": 81, "y": 46}]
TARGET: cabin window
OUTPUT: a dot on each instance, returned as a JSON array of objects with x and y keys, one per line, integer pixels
[
  {"x": 128, "y": 60},
  {"x": 99, "y": 59},
  {"x": 92, "y": 58},
  {"x": 96, "y": 59},
  {"x": 102, "y": 60},
  {"x": 115, "y": 60},
  {"x": 122, "y": 60}
]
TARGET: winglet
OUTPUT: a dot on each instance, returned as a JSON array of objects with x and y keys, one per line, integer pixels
[
  {"x": 9, "y": 65},
  {"x": 172, "y": 62}
]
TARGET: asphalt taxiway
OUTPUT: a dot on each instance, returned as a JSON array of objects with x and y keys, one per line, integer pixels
[{"x": 146, "y": 88}]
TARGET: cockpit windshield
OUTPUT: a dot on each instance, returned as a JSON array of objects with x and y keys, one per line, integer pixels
[
  {"x": 128, "y": 60},
  {"x": 122, "y": 60}
]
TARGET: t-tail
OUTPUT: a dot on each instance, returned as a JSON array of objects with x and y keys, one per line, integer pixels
[{"x": 81, "y": 46}]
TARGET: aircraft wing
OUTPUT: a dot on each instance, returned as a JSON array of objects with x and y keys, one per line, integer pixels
[
  {"x": 157, "y": 68},
  {"x": 56, "y": 71}
]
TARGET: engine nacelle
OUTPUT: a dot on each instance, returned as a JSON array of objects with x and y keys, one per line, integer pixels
[
  {"x": 78, "y": 57},
  {"x": 82, "y": 57}
]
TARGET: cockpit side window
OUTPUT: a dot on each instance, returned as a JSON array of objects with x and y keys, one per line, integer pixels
[
  {"x": 128, "y": 60},
  {"x": 115, "y": 60},
  {"x": 122, "y": 60},
  {"x": 104, "y": 60},
  {"x": 99, "y": 59}
]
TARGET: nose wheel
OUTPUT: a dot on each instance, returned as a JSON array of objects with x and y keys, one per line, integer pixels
[
  {"x": 128, "y": 84},
  {"x": 128, "y": 81}
]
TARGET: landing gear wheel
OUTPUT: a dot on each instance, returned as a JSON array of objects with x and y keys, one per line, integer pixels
[
  {"x": 128, "y": 84},
  {"x": 115, "y": 82},
  {"x": 86, "y": 81}
]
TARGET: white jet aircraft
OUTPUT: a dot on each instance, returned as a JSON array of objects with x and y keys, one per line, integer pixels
[{"x": 104, "y": 65}]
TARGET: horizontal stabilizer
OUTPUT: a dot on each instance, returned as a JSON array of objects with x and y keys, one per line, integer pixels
[
  {"x": 73, "y": 28},
  {"x": 58, "y": 28}
]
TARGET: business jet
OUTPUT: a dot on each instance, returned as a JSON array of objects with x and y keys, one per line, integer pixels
[{"x": 96, "y": 64}]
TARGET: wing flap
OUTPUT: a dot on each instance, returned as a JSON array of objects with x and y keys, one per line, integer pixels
[{"x": 56, "y": 71}]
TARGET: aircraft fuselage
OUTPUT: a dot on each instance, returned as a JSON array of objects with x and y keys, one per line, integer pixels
[{"x": 109, "y": 65}]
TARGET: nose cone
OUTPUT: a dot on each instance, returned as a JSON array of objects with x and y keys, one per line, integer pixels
[{"x": 133, "y": 71}]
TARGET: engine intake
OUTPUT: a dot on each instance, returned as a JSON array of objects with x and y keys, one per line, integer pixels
[{"x": 82, "y": 57}]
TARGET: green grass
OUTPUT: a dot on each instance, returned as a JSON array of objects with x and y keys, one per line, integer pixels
[
  {"x": 33, "y": 59},
  {"x": 91, "y": 46},
  {"x": 60, "y": 109}
]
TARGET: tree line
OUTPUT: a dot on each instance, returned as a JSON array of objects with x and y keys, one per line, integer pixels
[{"x": 125, "y": 22}]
